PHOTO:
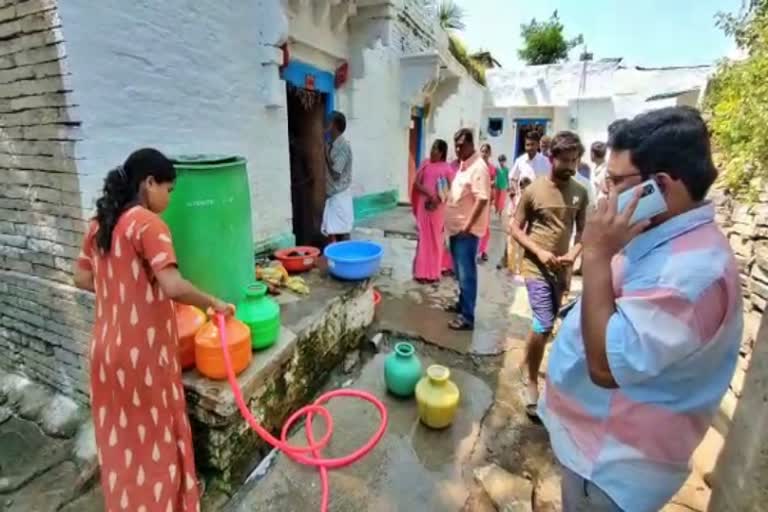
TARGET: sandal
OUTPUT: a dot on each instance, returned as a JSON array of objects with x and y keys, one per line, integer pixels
[{"x": 459, "y": 324}]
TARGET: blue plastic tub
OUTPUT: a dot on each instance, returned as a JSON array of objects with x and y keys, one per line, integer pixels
[{"x": 354, "y": 260}]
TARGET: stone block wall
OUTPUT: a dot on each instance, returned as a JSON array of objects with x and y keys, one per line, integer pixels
[
  {"x": 746, "y": 226},
  {"x": 414, "y": 29},
  {"x": 44, "y": 321}
]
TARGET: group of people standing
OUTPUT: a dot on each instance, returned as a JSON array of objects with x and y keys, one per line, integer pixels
[
  {"x": 652, "y": 340},
  {"x": 453, "y": 203}
]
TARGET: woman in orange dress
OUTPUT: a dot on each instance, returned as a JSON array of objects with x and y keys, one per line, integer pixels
[{"x": 139, "y": 411}]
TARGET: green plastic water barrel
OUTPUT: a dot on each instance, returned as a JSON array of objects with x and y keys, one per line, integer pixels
[{"x": 210, "y": 220}]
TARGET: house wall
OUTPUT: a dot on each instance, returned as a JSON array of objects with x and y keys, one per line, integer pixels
[
  {"x": 592, "y": 119},
  {"x": 313, "y": 38},
  {"x": 506, "y": 142},
  {"x": 377, "y": 124},
  {"x": 44, "y": 321},
  {"x": 456, "y": 103},
  {"x": 186, "y": 78}
]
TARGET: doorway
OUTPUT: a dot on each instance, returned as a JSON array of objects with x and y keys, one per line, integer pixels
[
  {"x": 525, "y": 126},
  {"x": 310, "y": 98},
  {"x": 415, "y": 134},
  {"x": 306, "y": 117}
]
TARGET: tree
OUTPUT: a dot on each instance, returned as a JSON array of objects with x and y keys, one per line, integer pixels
[
  {"x": 736, "y": 103},
  {"x": 544, "y": 42}
]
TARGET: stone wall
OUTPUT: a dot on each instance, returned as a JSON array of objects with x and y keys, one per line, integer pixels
[
  {"x": 44, "y": 321},
  {"x": 746, "y": 226}
]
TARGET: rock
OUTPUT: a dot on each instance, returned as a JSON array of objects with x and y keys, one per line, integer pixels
[
  {"x": 415, "y": 296},
  {"x": 85, "y": 442},
  {"x": 547, "y": 496},
  {"x": 376, "y": 341},
  {"x": 759, "y": 303},
  {"x": 93, "y": 501},
  {"x": 351, "y": 361},
  {"x": 5, "y": 414},
  {"x": 756, "y": 288},
  {"x": 12, "y": 387},
  {"x": 26, "y": 453},
  {"x": 728, "y": 404},
  {"x": 35, "y": 399},
  {"x": 61, "y": 418},
  {"x": 48, "y": 492},
  {"x": 737, "y": 383},
  {"x": 508, "y": 492}
]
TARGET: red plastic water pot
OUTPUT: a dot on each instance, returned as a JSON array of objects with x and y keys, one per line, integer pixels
[{"x": 298, "y": 259}]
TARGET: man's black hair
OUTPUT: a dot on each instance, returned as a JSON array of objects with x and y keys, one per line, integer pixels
[
  {"x": 599, "y": 149},
  {"x": 674, "y": 140},
  {"x": 339, "y": 120},
  {"x": 533, "y": 135},
  {"x": 564, "y": 142},
  {"x": 469, "y": 137}
]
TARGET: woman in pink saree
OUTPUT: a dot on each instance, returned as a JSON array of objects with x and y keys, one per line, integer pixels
[{"x": 428, "y": 208}]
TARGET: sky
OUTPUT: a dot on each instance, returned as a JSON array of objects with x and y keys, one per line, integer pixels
[{"x": 645, "y": 32}]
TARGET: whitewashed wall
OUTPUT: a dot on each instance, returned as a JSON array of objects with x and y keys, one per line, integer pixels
[
  {"x": 185, "y": 77},
  {"x": 592, "y": 119},
  {"x": 505, "y": 141},
  {"x": 457, "y": 103},
  {"x": 377, "y": 128}
]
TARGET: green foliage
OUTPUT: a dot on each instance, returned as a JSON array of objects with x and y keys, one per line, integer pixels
[
  {"x": 737, "y": 104},
  {"x": 544, "y": 42},
  {"x": 474, "y": 67},
  {"x": 450, "y": 15}
]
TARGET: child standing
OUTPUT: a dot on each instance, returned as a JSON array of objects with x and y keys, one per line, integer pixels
[
  {"x": 139, "y": 412},
  {"x": 502, "y": 185}
]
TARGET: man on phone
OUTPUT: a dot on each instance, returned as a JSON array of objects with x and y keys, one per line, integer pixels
[
  {"x": 643, "y": 358},
  {"x": 544, "y": 221}
]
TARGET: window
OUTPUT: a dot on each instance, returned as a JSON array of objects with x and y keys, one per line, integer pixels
[{"x": 495, "y": 126}]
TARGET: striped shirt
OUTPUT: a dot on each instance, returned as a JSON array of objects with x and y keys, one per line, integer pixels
[{"x": 672, "y": 346}]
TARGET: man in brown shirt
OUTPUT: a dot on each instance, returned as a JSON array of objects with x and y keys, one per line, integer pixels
[{"x": 543, "y": 224}]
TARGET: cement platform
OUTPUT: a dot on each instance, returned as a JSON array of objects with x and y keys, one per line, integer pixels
[{"x": 317, "y": 332}]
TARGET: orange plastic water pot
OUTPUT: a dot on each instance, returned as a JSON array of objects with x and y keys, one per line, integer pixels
[
  {"x": 209, "y": 357},
  {"x": 189, "y": 320}
]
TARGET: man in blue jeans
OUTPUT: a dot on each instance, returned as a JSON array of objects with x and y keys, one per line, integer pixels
[{"x": 466, "y": 218}]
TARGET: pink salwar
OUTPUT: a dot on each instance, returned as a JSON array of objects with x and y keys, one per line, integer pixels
[{"x": 430, "y": 247}]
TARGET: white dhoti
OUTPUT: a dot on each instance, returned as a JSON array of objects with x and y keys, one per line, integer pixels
[{"x": 339, "y": 214}]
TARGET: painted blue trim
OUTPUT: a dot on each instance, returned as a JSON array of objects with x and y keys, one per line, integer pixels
[
  {"x": 419, "y": 119},
  {"x": 295, "y": 73},
  {"x": 531, "y": 120}
]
